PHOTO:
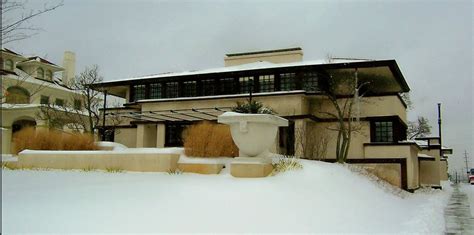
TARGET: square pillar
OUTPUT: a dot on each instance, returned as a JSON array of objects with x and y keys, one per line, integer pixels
[
  {"x": 146, "y": 135},
  {"x": 160, "y": 135},
  {"x": 300, "y": 137}
]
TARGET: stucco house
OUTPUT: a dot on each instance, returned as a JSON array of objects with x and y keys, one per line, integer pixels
[
  {"x": 28, "y": 83},
  {"x": 160, "y": 106}
]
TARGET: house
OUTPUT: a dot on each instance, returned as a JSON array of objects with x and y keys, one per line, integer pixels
[
  {"x": 29, "y": 83},
  {"x": 160, "y": 106}
]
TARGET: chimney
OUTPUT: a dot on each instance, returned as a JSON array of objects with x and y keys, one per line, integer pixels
[
  {"x": 285, "y": 55},
  {"x": 69, "y": 65}
]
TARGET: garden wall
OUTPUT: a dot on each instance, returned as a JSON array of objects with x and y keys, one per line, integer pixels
[{"x": 104, "y": 160}]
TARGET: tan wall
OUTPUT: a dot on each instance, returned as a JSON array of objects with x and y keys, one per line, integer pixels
[
  {"x": 369, "y": 107},
  {"x": 160, "y": 135},
  {"x": 146, "y": 135},
  {"x": 284, "y": 105},
  {"x": 126, "y": 136},
  {"x": 443, "y": 170},
  {"x": 390, "y": 173},
  {"x": 388, "y": 151},
  {"x": 430, "y": 170},
  {"x": 6, "y": 140},
  {"x": 278, "y": 57},
  {"x": 145, "y": 162}
]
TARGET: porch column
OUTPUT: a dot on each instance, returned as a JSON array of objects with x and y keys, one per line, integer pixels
[
  {"x": 160, "y": 135},
  {"x": 140, "y": 135},
  {"x": 6, "y": 140}
]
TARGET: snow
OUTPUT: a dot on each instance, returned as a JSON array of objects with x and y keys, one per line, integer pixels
[
  {"x": 9, "y": 158},
  {"x": 320, "y": 198},
  {"x": 469, "y": 190},
  {"x": 113, "y": 145},
  {"x": 422, "y": 155}
]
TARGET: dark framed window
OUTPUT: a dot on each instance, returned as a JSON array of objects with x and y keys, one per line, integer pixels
[
  {"x": 383, "y": 131},
  {"x": 171, "y": 89},
  {"x": 44, "y": 99},
  {"x": 227, "y": 86},
  {"x": 174, "y": 134},
  {"x": 245, "y": 84},
  {"x": 155, "y": 91},
  {"x": 310, "y": 81},
  {"x": 59, "y": 102},
  {"x": 287, "y": 81},
  {"x": 189, "y": 88},
  {"x": 208, "y": 87},
  {"x": 266, "y": 83},
  {"x": 139, "y": 92},
  {"x": 77, "y": 104}
]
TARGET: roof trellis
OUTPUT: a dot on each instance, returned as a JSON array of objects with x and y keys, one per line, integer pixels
[{"x": 173, "y": 115}]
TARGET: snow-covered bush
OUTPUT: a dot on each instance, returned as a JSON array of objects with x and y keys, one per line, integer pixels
[
  {"x": 252, "y": 107},
  {"x": 206, "y": 139},
  {"x": 286, "y": 163}
]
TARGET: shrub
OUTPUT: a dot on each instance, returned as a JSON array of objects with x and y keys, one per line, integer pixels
[
  {"x": 252, "y": 107},
  {"x": 286, "y": 163},
  {"x": 44, "y": 139},
  {"x": 207, "y": 139}
]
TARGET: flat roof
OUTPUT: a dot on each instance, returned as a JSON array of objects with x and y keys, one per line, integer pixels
[{"x": 264, "y": 52}]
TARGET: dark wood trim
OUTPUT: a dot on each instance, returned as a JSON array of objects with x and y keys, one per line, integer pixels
[
  {"x": 252, "y": 72},
  {"x": 392, "y": 144}
]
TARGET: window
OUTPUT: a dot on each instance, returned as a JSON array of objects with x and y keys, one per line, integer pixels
[
  {"x": 208, "y": 87},
  {"x": 189, "y": 88},
  {"x": 171, "y": 89},
  {"x": 155, "y": 91},
  {"x": 267, "y": 83},
  {"x": 40, "y": 73},
  {"x": 138, "y": 92},
  {"x": 77, "y": 104},
  {"x": 245, "y": 84},
  {"x": 310, "y": 81},
  {"x": 227, "y": 86},
  {"x": 287, "y": 81},
  {"x": 59, "y": 102},
  {"x": 17, "y": 95},
  {"x": 49, "y": 75},
  {"x": 44, "y": 99},
  {"x": 383, "y": 132},
  {"x": 9, "y": 64},
  {"x": 173, "y": 134}
]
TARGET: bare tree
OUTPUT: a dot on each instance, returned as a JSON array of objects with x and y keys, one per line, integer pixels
[
  {"x": 90, "y": 98},
  {"x": 313, "y": 143},
  {"x": 16, "y": 19},
  {"x": 344, "y": 94},
  {"x": 81, "y": 111},
  {"x": 419, "y": 128}
]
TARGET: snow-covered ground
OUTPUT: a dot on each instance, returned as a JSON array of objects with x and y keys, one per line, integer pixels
[
  {"x": 322, "y": 197},
  {"x": 469, "y": 190}
]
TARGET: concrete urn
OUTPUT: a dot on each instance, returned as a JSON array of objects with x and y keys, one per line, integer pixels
[{"x": 253, "y": 134}]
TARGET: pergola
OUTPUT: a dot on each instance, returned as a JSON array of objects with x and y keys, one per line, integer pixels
[{"x": 173, "y": 115}]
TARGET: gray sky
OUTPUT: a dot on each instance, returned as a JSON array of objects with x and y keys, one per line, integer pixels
[{"x": 430, "y": 40}]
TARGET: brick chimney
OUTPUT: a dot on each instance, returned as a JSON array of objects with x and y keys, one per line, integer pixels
[{"x": 69, "y": 65}]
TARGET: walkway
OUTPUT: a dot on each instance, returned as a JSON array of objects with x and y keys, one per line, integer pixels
[{"x": 458, "y": 215}]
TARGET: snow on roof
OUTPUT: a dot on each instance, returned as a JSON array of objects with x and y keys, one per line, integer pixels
[
  {"x": 421, "y": 155},
  {"x": 244, "y": 67},
  {"x": 39, "y": 59}
]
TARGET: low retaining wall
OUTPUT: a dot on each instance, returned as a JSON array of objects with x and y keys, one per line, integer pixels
[{"x": 127, "y": 161}]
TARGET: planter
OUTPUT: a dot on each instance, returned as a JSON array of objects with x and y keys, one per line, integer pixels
[{"x": 253, "y": 134}]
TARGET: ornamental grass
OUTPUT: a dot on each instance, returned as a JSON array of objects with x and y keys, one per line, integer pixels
[
  {"x": 50, "y": 139},
  {"x": 207, "y": 139}
]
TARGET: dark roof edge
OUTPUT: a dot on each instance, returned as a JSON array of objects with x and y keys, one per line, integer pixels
[{"x": 264, "y": 52}]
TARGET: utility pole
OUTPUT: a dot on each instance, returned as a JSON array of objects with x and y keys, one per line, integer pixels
[
  {"x": 466, "y": 160},
  {"x": 439, "y": 131}
]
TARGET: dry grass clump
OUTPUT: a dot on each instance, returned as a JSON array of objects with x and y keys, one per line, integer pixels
[
  {"x": 286, "y": 163},
  {"x": 207, "y": 139},
  {"x": 44, "y": 139}
]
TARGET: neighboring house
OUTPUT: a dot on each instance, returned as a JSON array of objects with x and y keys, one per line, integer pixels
[
  {"x": 28, "y": 83},
  {"x": 160, "y": 106}
]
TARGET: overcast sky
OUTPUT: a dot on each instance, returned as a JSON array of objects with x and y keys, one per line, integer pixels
[{"x": 430, "y": 40}]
